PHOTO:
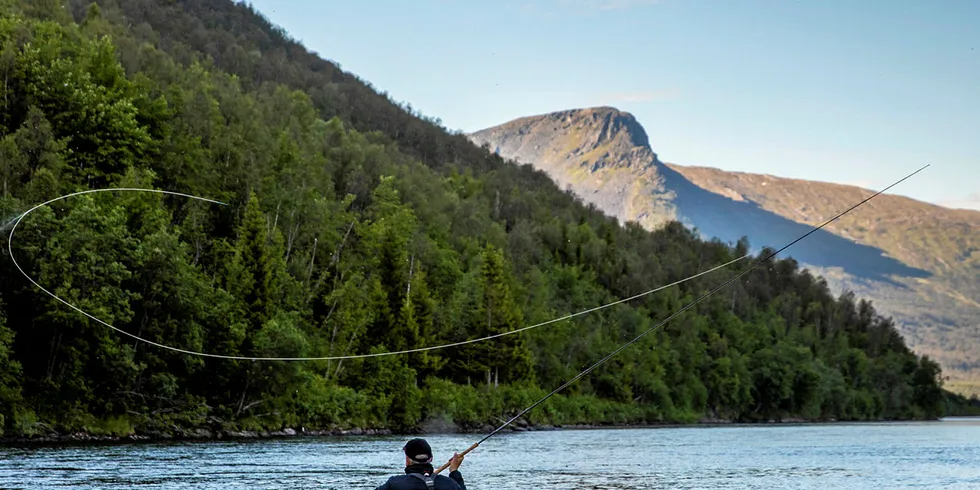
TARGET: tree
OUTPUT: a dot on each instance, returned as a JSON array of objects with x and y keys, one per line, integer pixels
[
  {"x": 508, "y": 358},
  {"x": 10, "y": 395}
]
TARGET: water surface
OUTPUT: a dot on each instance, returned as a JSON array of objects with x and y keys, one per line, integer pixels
[{"x": 943, "y": 454}]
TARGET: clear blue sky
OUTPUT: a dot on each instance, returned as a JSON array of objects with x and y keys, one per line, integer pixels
[{"x": 833, "y": 90}]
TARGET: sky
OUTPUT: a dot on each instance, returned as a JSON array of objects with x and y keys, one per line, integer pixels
[{"x": 858, "y": 93}]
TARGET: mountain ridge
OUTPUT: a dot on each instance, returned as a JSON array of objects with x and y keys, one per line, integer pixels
[
  {"x": 919, "y": 259},
  {"x": 797, "y": 180}
]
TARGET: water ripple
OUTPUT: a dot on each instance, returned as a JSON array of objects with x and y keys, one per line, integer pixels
[{"x": 915, "y": 455}]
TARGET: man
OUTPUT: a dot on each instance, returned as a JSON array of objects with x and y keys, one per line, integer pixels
[{"x": 419, "y": 471}]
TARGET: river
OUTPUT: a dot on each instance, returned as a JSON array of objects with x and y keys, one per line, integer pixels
[{"x": 943, "y": 454}]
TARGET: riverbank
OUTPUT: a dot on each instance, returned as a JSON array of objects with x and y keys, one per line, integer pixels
[
  {"x": 427, "y": 428},
  {"x": 179, "y": 434}
]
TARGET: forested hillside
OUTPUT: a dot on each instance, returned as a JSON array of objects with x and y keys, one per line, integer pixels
[{"x": 354, "y": 227}]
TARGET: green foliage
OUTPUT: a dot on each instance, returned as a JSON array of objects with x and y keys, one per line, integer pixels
[
  {"x": 9, "y": 374},
  {"x": 959, "y": 405},
  {"x": 352, "y": 230}
]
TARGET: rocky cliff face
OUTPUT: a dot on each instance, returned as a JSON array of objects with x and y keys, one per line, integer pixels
[
  {"x": 601, "y": 154},
  {"x": 918, "y": 262}
]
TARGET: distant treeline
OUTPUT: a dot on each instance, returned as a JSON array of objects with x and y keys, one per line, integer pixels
[
  {"x": 355, "y": 227},
  {"x": 959, "y": 405}
]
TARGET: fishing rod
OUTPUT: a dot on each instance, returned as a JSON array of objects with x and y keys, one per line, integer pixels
[
  {"x": 17, "y": 221},
  {"x": 671, "y": 317}
]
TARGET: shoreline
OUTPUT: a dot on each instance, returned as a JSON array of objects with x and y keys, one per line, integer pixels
[{"x": 201, "y": 435}]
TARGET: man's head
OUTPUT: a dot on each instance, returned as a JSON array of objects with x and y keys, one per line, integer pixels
[{"x": 417, "y": 451}]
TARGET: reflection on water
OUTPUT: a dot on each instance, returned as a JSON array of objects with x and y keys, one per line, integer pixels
[{"x": 942, "y": 454}]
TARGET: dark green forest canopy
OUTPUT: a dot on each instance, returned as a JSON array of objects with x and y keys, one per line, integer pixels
[{"x": 354, "y": 227}]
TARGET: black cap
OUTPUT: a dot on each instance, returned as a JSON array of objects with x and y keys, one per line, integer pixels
[{"x": 418, "y": 451}]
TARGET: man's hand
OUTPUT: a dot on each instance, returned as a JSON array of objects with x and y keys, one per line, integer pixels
[{"x": 455, "y": 461}]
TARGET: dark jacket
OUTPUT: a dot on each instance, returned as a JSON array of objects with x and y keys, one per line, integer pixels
[{"x": 408, "y": 482}]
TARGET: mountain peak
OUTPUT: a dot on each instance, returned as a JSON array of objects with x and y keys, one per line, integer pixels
[
  {"x": 600, "y": 152},
  {"x": 590, "y": 127},
  {"x": 589, "y": 139}
]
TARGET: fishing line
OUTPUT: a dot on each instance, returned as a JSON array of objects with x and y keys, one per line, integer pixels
[
  {"x": 17, "y": 221},
  {"x": 674, "y": 315}
]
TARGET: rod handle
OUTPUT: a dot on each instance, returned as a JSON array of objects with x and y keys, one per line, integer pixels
[{"x": 450, "y": 460}]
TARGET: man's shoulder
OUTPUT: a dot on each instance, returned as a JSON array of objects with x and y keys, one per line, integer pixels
[
  {"x": 444, "y": 481},
  {"x": 403, "y": 482}
]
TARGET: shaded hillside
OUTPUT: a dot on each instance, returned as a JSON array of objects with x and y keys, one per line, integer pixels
[
  {"x": 943, "y": 241},
  {"x": 918, "y": 261},
  {"x": 717, "y": 216}
]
